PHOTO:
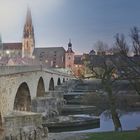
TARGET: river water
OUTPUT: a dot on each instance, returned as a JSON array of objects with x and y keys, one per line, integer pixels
[{"x": 129, "y": 121}]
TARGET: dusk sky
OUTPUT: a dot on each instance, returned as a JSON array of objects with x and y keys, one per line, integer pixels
[{"x": 55, "y": 21}]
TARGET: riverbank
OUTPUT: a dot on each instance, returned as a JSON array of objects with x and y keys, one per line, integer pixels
[
  {"x": 126, "y": 135},
  {"x": 67, "y": 136}
]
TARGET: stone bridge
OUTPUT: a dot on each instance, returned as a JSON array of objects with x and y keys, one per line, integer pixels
[{"x": 21, "y": 84}]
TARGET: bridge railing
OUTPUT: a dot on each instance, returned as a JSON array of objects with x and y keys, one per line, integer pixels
[
  {"x": 56, "y": 71},
  {"x": 6, "y": 70}
]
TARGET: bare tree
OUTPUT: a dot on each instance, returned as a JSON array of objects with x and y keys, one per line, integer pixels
[
  {"x": 107, "y": 79},
  {"x": 130, "y": 67},
  {"x": 101, "y": 47},
  {"x": 107, "y": 82},
  {"x": 121, "y": 44},
  {"x": 135, "y": 36}
]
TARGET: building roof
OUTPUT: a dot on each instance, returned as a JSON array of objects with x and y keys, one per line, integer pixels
[
  {"x": 12, "y": 46},
  {"x": 18, "y": 61},
  {"x": 48, "y": 49},
  {"x": 24, "y": 61},
  {"x": 4, "y": 60},
  {"x": 92, "y": 52},
  {"x": 38, "y": 51}
]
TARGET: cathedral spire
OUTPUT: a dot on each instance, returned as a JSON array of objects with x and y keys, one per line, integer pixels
[
  {"x": 28, "y": 27},
  {"x": 28, "y": 17},
  {"x": 28, "y": 36}
]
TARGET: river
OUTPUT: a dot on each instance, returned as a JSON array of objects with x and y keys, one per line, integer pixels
[{"x": 129, "y": 121}]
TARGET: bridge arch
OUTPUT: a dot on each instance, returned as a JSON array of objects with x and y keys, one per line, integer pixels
[
  {"x": 40, "y": 88},
  {"x": 22, "y": 100},
  {"x": 51, "y": 84},
  {"x": 59, "y": 81},
  {"x": 63, "y": 80}
]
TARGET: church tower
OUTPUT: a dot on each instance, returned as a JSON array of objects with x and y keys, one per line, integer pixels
[
  {"x": 28, "y": 43},
  {"x": 69, "y": 56}
]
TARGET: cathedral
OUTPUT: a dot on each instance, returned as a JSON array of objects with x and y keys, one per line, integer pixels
[
  {"x": 24, "y": 48},
  {"x": 25, "y": 52}
]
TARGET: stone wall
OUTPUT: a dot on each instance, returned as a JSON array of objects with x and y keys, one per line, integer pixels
[
  {"x": 44, "y": 105},
  {"x": 23, "y": 126},
  {"x": 50, "y": 105},
  {"x": 58, "y": 95}
]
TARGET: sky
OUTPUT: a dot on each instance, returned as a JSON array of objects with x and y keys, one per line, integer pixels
[{"x": 56, "y": 21}]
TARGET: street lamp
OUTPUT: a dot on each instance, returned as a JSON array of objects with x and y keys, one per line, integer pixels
[
  {"x": 8, "y": 52},
  {"x": 33, "y": 57}
]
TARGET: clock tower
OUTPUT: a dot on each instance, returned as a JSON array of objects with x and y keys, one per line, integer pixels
[{"x": 69, "y": 56}]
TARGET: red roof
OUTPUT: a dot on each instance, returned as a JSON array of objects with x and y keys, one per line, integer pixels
[{"x": 12, "y": 46}]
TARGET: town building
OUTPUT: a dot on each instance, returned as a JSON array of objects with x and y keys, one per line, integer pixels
[
  {"x": 79, "y": 68},
  {"x": 50, "y": 56},
  {"x": 25, "y": 52}
]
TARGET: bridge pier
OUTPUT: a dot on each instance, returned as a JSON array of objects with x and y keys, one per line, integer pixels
[
  {"x": 50, "y": 105},
  {"x": 23, "y": 126}
]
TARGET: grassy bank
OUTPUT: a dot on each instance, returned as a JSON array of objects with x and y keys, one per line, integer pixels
[{"x": 135, "y": 135}]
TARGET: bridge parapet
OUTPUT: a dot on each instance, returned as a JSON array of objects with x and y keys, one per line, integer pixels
[
  {"x": 56, "y": 71},
  {"x": 6, "y": 70}
]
